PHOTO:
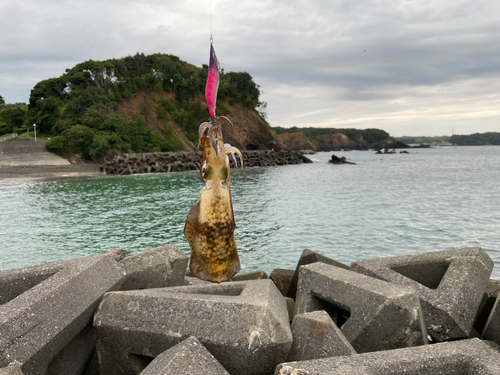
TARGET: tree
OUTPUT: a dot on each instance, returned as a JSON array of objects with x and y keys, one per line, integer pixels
[{"x": 81, "y": 106}]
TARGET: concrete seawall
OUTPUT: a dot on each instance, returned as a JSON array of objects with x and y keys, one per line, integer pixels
[{"x": 23, "y": 151}]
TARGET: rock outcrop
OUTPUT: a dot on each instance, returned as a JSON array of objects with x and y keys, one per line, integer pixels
[
  {"x": 295, "y": 141},
  {"x": 336, "y": 160}
]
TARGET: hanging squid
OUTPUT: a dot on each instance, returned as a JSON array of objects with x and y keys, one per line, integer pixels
[{"x": 210, "y": 223}]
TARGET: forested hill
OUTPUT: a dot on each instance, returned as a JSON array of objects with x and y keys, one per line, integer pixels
[
  {"x": 327, "y": 139},
  {"x": 92, "y": 108},
  {"x": 476, "y": 139}
]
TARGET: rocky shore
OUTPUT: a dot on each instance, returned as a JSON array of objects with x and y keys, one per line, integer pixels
[
  {"x": 157, "y": 162},
  {"x": 430, "y": 313}
]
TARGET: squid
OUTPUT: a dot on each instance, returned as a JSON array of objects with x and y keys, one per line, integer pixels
[{"x": 210, "y": 224}]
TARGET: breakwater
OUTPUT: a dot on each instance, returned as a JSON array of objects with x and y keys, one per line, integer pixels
[
  {"x": 110, "y": 314},
  {"x": 157, "y": 162}
]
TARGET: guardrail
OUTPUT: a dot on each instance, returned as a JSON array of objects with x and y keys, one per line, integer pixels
[{"x": 8, "y": 137}]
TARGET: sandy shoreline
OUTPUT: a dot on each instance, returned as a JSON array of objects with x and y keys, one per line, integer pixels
[{"x": 31, "y": 172}]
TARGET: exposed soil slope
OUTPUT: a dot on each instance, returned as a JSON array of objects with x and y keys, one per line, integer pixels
[{"x": 250, "y": 131}]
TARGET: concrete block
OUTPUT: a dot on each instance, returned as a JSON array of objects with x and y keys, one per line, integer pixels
[
  {"x": 45, "y": 307},
  {"x": 256, "y": 275},
  {"x": 489, "y": 297},
  {"x": 12, "y": 369},
  {"x": 73, "y": 358},
  {"x": 491, "y": 329},
  {"x": 243, "y": 324},
  {"x": 187, "y": 358},
  {"x": 309, "y": 257},
  {"x": 372, "y": 314},
  {"x": 156, "y": 268},
  {"x": 450, "y": 285},
  {"x": 282, "y": 278},
  {"x": 315, "y": 335},
  {"x": 456, "y": 357},
  {"x": 191, "y": 280},
  {"x": 290, "y": 306},
  {"x": 106, "y": 362}
]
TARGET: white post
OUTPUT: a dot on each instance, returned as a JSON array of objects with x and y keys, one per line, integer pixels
[{"x": 34, "y": 128}]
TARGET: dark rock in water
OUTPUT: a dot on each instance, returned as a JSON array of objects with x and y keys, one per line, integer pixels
[
  {"x": 398, "y": 144},
  {"x": 403, "y": 152},
  {"x": 337, "y": 160}
]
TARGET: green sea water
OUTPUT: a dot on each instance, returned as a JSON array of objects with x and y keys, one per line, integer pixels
[{"x": 385, "y": 205}]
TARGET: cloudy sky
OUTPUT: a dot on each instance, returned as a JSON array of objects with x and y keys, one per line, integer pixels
[{"x": 408, "y": 67}]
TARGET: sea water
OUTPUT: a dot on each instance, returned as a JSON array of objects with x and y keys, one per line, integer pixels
[{"x": 385, "y": 205}]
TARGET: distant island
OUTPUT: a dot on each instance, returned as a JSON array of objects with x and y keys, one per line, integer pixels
[{"x": 476, "y": 139}]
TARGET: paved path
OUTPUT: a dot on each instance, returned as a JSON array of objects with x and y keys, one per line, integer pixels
[{"x": 23, "y": 151}]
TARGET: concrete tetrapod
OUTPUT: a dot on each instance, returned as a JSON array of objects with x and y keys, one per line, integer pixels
[
  {"x": 450, "y": 285},
  {"x": 187, "y": 358},
  {"x": 372, "y": 314},
  {"x": 156, "y": 268},
  {"x": 491, "y": 329},
  {"x": 44, "y": 307},
  {"x": 244, "y": 325},
  {"x": 14, "y": 369},
  {"x": 309, "y": 257},
  {"x": 462, "y": 357},
  {"x": 315, "y": 335}
]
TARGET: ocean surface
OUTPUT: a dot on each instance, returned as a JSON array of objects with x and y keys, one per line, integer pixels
[{"x": 385, "y": 205}]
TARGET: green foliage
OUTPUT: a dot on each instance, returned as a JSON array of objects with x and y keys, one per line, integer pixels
[
  {"x": 158, "y": 141},
  {"x": 57, "y": 145},
  {"x": 4, "y": 128},
  {"x": 476, "y": 139},
  {"x": 173, "y": 141},
  {"x": 81, "y": 105},
  {"x": 370, "y": 135},
  {"x": 420, "y": 140},
  {"x": 12, "y": 117}
]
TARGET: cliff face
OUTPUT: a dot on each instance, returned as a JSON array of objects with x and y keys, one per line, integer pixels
[
  {"x": 332, "y": 142},
  {"x": 324, "y": 142},
  {"x": 250, "y": 131},
  {"x": 296, "y": 141}
]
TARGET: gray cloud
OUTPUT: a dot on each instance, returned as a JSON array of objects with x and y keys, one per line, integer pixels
[{"x": 397, "y": 65}]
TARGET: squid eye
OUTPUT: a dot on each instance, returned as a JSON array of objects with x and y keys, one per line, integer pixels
[{"x": 203, "y": 170}]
